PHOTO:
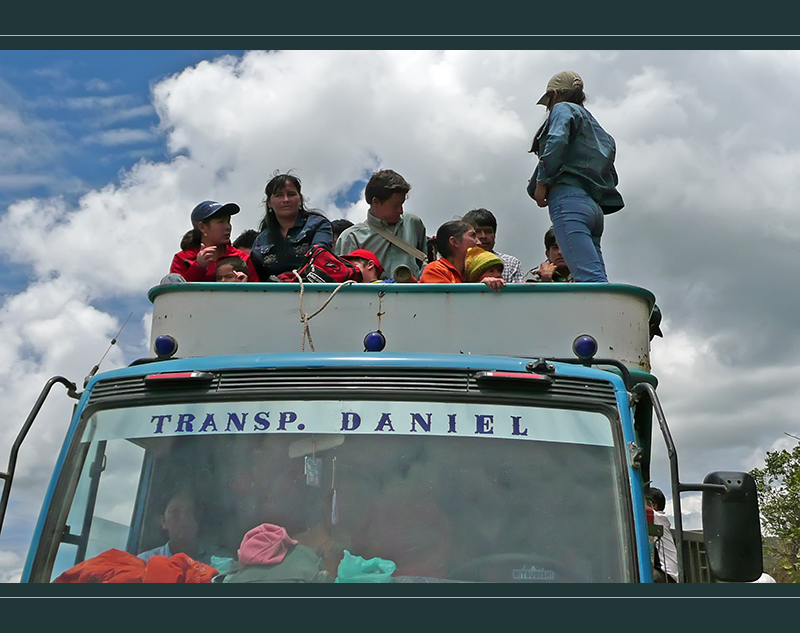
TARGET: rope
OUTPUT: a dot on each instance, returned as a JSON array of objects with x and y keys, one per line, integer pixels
[{"x": 305, "y": 317}]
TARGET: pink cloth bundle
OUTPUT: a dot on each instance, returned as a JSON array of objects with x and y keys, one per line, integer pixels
[{"x": 266, "y": 544}]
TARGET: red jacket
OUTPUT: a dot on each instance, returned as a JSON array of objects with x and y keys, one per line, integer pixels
[
  {"x": 185, "y": 263},
  {"x": 441, "y": 271},
  {"x": 114, "y": 565}
]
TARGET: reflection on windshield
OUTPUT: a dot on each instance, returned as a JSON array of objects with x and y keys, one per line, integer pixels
[{"x": 439, "y": 508}]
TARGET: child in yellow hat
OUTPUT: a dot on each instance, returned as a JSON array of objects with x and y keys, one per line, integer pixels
[{"x": 481, "y": 265}]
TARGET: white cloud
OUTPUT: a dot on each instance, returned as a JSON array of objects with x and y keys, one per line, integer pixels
[
  {"x": 95, "y": 103},
  {"x": 23, "y": 182},
  {"x": 47, "y": 330},
  {"x": 121, "y": 136},
  {"x": 127, "y": 114},
  {"x": 10, "y": 567},
  {"x": 99, "y": 85},
  {"x": 23, "y": 139}
]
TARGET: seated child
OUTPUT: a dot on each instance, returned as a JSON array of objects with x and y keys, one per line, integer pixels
[
  {"x": 368, "y": 263},
  {"x": 482, "y": 266},
  {"x": 231, "y": 269}
]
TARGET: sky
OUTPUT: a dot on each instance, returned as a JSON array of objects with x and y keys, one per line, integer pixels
[{"x": 103, "y": 154}]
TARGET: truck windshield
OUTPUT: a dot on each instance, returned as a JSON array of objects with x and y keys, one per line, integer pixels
[{"x": 446, "y": 492}]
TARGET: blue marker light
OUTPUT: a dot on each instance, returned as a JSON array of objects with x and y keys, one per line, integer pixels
[
  {"x": 165, "y": 346},
  {"x": 584, "y": 346},
  {"x": 374, "y": 342}
]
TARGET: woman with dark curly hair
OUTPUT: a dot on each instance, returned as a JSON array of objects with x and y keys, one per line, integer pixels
[{"x": 287, "y": 230}]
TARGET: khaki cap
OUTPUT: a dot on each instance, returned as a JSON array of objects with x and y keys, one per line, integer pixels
[{"x": 565, "y": 80}]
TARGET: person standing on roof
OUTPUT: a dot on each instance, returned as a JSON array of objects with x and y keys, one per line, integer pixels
[
  {"x": 288, "y": 229},
  {"x": 210, "y": 240},
  {"x": 395, "y": 237},
  {"x": 575, "y": 176}
]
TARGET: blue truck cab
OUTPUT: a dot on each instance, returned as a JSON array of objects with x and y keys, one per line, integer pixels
[{"x": 448, "y": 432}]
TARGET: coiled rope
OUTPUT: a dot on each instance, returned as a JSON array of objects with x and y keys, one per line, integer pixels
[{"x": 305, "y": 317}]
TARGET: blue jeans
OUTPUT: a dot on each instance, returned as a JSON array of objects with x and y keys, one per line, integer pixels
[{"x": 578, "y": 225}]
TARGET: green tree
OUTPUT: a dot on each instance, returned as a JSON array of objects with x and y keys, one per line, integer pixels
[{"x": 778, "y": 485}]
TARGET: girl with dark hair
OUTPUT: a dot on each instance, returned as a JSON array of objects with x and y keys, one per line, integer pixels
[
  {"x": 575, "y": 177},
  {"x": 453, "y": 240},
  {"x": 208, "y": 241},
  {"x": 287, "y": 230}
]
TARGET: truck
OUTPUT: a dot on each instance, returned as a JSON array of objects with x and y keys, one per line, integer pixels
[{"x": 439, "y": 433}]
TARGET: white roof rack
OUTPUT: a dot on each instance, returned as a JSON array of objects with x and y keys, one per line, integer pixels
[{"x": 524, "y": 320}]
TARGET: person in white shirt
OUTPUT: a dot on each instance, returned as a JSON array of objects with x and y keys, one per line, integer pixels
[{"x": 664, "y": 544}]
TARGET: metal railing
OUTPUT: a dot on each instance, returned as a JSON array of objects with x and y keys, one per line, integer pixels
[{"x": 694, "y": 557}]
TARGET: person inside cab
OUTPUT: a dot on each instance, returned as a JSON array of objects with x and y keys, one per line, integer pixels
[{"x": 181, "y": 524}]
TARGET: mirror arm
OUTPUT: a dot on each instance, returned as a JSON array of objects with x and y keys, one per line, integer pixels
[{"x": 721, "y": 488}]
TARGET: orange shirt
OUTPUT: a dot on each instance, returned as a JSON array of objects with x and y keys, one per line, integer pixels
[{"x": 441, "y": 271}]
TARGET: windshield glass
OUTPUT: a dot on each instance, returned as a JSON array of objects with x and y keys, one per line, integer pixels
[{"x": 348, "y": 491}]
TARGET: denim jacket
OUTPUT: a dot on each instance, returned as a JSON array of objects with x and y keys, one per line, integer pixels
[
  {"x": 575, "y": 150},
  {"x": 272, "y": 254}
]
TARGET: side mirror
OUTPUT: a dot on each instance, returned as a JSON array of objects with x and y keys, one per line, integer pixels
[{"x": 731, "y": 528}]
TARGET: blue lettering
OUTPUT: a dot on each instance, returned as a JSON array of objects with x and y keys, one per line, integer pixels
[
  {"x": 287, "y": 417},
  {"x": 159, "y": 420},
  {"x": 185, "y": 419},
  {"x": 384, "y": 421},
  {"x": 233, "y": 418},
  {"x": 350, "y": 421},
  {"x": 208, "y": 423},
  {"x": 260, "y": 420},
  {"x": 515, "y": 426},
  {"x": 483, "y": 424},
  {"x": 451, "y": 422},
  {"x": 416, "y": 418}
]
